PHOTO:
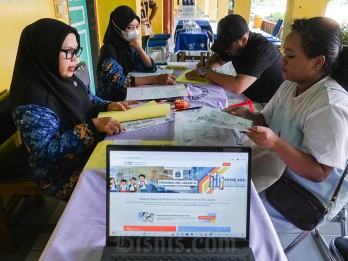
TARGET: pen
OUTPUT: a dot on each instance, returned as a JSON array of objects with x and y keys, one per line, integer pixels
[
  {"x": 203, "y": 63},
  {"x": 187, "y": 109}
]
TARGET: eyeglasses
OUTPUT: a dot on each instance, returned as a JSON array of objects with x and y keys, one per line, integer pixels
[{"x": 69, "y": 53}]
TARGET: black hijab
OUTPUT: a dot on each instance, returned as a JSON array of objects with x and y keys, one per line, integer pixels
[
  {"x": 36, "y": 78},
  {"x": 115, "y": 46}
]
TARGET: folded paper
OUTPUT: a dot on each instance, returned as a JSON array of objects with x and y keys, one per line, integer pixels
[{"x": 148, "y": 110}]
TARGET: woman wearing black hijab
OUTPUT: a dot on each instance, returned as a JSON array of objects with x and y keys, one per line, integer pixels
[
  {"x": 121, "y": 54},
  {"x": 53, "y": 110}
]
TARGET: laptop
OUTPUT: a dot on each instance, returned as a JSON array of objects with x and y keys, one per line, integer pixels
[{"x": 177, "y": 203}]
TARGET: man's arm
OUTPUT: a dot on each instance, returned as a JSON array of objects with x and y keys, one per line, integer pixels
[
  {"x": 236, "y": 84},
  {"x": 153, "y": 13}
]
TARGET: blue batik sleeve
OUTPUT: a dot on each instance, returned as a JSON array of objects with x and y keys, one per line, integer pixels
[
  {"x": 45, "y": 136},
  {"x": 140, "y": 66}
]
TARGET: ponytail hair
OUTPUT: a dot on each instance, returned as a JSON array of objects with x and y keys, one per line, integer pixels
[{"x": 339, "y": 70}]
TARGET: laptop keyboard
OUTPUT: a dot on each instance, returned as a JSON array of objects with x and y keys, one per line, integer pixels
[{"x": 181, "y": 258}]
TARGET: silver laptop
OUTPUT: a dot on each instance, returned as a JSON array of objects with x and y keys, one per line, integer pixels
[{"x": 177, "y": 203}]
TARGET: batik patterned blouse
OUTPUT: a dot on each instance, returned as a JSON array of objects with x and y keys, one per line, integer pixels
[
  {"x": 57, "y": 154},
  {"x": 112, "y": 80}
]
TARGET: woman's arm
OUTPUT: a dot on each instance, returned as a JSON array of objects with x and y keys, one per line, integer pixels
[
  {"x": 111, "y": 77},
  {"x": 42, "y": 132},
  {"x": 298, "y": 161},
  {"x": 145, "y": 58}
]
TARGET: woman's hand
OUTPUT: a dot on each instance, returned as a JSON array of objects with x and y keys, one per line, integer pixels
[
  {"x": 108, "y": 125},
  {"x": 238, "y": 111},
  {"x": 165, "y": 79},
  {"x": 193, "y": 75},
  {"x": 135, "y": 44},
  {"x": 121, "y": 106},
  {"x": 262, "y": 136}
]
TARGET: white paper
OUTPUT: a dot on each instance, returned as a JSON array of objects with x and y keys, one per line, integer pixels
[
  {"x": 127, "y": 142},
  {"x": 141, "y": 124},
  {"x": 190, "y": 133},
  {"x": 227, "y": 69},
  {"x": 156, "y": 92},
  {"x": 213, "y": 117},
  {"x": 145, "y": 74}
]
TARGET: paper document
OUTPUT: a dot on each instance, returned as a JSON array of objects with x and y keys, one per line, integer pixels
[
  {"x": 156, "y": 92},
  {"x": 213, "y": 117},
  {"x": 144, "y": 142},
  {"x": 182, "y": 78},
  {"x": 187, "y": 132},
  {"x": 141, "y": 124},
  {"x": 149, "y": 110},
  {"x": 145, "y": 74}
]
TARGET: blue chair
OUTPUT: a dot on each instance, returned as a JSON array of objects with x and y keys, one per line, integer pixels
[
  {"x": 159, "y": 45},
  {"x": 160, "y": 36},
  {"x": 277, "y": 27}
]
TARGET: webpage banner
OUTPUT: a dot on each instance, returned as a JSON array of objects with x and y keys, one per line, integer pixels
[{"x": 178, "y": 194}]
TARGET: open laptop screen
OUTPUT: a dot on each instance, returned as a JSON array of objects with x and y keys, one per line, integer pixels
[{"x": 168, "y": 191}]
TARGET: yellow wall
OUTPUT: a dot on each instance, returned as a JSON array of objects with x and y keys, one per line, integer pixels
[
  {"x": 243, "y": 8},
  {"x": 213, "y": 10},
  {"x": 157, "y": 22},
  {"x": 222, "y": 9},
  {"x": 302, "y": 9},
  {"x": 14, "y": 16}
]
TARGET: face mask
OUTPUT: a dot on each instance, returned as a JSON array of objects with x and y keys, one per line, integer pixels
[{"x": 128, "y": 36}]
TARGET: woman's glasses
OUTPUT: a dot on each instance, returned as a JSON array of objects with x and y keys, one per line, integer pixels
[{"x": 69, "y": 53}]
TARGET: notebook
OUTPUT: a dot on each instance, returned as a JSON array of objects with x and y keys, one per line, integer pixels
[{"x": 177, "y": 203}]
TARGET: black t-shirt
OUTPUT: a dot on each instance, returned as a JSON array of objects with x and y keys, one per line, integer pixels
[{"x": 260, "y": 59}]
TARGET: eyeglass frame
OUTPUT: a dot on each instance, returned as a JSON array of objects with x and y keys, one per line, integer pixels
[{"x": 77, "y": 52}]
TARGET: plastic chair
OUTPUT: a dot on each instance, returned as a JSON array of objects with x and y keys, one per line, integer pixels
[{"x": 277, "y": 27}]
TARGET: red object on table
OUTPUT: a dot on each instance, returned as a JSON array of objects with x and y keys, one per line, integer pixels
[{"x": 247, "y": 102}]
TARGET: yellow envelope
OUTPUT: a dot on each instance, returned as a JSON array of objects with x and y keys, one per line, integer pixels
[
  {"x": 148, "y": 110},
  {"x": 182, "y": 78}
]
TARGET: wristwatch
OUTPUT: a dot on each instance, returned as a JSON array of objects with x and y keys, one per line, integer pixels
[{"x": 202, "y": 72}]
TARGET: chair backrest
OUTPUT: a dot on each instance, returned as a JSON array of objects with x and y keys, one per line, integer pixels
[
  {"x": 82, "y": 73},
  {"x": 277, "y": 27}
]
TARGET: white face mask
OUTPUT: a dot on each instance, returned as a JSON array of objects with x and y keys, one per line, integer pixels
[{"x": 128, "y": 36}]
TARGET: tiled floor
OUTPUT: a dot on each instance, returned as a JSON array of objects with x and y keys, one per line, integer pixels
[{"x": 42, "y": 217}]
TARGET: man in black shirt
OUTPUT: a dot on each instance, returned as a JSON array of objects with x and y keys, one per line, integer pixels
[{"x": 256, "y": 60}]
